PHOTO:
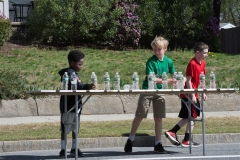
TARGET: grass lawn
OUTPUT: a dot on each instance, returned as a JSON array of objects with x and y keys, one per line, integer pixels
[{"x": 40, "y": 68}]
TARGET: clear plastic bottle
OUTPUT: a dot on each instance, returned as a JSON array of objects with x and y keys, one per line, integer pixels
[
  {"x": 94, "y": 80},
  {"x": 202, "y": 81},
  {"x": 116, "y": 81},
  {"x": 174, "y": 79},
  {"x": 65, "y": 79},
  {"x": 106, "y": 81},
  {"x": 180, "y": 82},
  {"x": 135, "y": 81},
  {"x": 164, "y": 81},
  {"x": 151, "y": 79},
  {"x": 73, "y": 81},
  {"x": 212, "y": 78}
]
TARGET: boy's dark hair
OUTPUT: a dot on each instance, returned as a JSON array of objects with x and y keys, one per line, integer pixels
[
  {"x": 200, "y": 46},
  {"x": 75, "y": 56}
]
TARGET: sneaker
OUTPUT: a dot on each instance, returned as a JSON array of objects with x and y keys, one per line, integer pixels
[
  {"x": 159, "y": 149},
  {"x": 62, "y": 154},
  {"x": 187, "y": 144},
  {"x": 128, "y": 146},
  {"x": 172, "y": 138},
  {"x": 72, "y": 152}
]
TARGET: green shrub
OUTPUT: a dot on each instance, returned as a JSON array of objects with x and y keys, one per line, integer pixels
[
  {"x": 4, "y": 31},
  {"x": 73, "y": 21},
  {"x": 12, "y": 85},
  {"x": 180, "y": 21}
]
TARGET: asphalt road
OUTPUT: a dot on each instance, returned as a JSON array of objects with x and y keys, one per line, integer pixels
[{"x": 222, "y": 151}]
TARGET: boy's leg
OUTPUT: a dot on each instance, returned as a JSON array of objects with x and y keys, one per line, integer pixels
[
  {"x": 135, "y": 124},
  {"x": 63, "y": 119},
  {"x": 172, "y": 133},
  {"x": 159, "y": 112},
  {"x": 74, "y": 141},
  {"x": 141, "y": 112},
  {"x": 194, "y": 113}
]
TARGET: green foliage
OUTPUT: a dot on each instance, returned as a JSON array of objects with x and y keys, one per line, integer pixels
[
  {"x": 12, "y": 85},
  {"x": 4, "y": 31},
  {"x": 230, "y": 12},
  {"x": 180, "y": 21},
  {"x": 73, "y": 21}
]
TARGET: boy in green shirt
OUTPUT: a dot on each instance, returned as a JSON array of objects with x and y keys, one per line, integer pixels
[{"x": 158, "y": 64}]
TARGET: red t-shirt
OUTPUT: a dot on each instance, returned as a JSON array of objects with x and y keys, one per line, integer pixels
[{"x": 194, "y": 70}]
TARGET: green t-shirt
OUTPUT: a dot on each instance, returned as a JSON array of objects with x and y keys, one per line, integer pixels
[{"x": 158, "y": 67}]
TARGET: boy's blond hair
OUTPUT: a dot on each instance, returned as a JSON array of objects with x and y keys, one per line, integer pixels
[{"x": 159, "y": 42}]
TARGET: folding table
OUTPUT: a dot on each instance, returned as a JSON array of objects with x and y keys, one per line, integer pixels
[{"x": 177, "y": 92}]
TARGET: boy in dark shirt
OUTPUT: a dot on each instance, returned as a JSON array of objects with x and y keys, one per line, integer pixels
[{"x": 75, "y": 60}]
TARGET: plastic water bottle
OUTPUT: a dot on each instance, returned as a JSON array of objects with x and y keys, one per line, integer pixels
[
  {"x": 212, "y": 80},
  {"x": 106, "y": 81},
  {"x": 65, "y": 79},
  {"x": 202, "y": 81},
  {"x": 164, "y": 81},
  {"x": 151, "y": 79},
  {"x": 135, "y": 81},
  {"x": 73, "y": 81},
  {"x": 116, "y": 81},
  {"x": 180, "y": 81},
  {"x": 174, "y": 78},
  {"x": 94, "y": 80}
]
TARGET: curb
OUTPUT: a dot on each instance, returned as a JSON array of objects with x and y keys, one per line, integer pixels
[{"x": 104, "y": 142}]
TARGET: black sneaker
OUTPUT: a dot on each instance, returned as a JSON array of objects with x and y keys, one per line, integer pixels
[
  {"x": 62, "y": 154},
  {"x": 128, "y": 146},
  {"x": 72, "y": 152},
  {"x": 159, "y": 149}
]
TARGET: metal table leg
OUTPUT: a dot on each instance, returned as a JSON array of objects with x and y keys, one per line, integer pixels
[
  {"x": 203, "y": 125},
  {"x": 76, "y": 126},
  {"x": 189, "y": 105},
  {"x": 65, "y": 127}
]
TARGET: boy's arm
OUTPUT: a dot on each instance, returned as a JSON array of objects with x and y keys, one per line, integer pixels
[{"x": 189, "y": 86}]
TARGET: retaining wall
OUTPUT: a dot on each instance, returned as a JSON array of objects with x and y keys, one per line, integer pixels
[{"x": 49, "y": 106}]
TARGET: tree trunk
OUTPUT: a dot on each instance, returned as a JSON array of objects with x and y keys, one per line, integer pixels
[{"x": 217, "y": 9}]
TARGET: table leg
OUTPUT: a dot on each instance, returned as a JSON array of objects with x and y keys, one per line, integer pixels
[
  {"x": 190, "y": 125},
  {"x": 76, "y": 126},
  {"x": 203, "y": 125},
  {"x": 189, "y": 105},
  {"x": 65, "y": 127}
]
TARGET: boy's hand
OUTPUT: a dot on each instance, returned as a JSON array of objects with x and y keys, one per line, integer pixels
[
  {"x": 92, "y": 86},
  {"x": 204, "y": 97},
  {"x": 172, "y": 81},
  {"x": 194, "y": 99}
]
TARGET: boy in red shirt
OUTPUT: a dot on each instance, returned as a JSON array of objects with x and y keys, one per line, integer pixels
[{"x": 195, "y": 66}]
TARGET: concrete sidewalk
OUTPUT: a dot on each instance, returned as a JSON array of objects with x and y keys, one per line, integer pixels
[
  {"x": 103, "y": 142},
  {"x": 106, "y": 117}
]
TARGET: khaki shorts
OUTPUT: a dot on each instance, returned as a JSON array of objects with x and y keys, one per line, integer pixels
[
  {"x": 71, "y": 118},
  {"x": 158, "y": 102}
]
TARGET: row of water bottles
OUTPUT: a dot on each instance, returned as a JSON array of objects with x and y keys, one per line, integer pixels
[
  {"x": 116, "y": 83},
  {"x": 212, "y": 79},
  {"x": 73, "y": 78},
  {"x": 176, "y": 76}
]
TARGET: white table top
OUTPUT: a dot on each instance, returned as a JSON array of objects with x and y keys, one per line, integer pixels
[{"x": 132, "y": 92}]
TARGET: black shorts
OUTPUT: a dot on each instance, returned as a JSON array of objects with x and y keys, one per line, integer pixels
[{"x": 184, "y": 111}]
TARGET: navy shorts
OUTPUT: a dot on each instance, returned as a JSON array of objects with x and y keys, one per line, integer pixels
[{"x": 184, "y": 111}]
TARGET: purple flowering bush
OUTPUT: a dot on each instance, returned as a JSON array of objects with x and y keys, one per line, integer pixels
[
  {"x": 129, "y": 31},
  {"x": 2, "y": 16},
  {"x": 212, "y": 28}
]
